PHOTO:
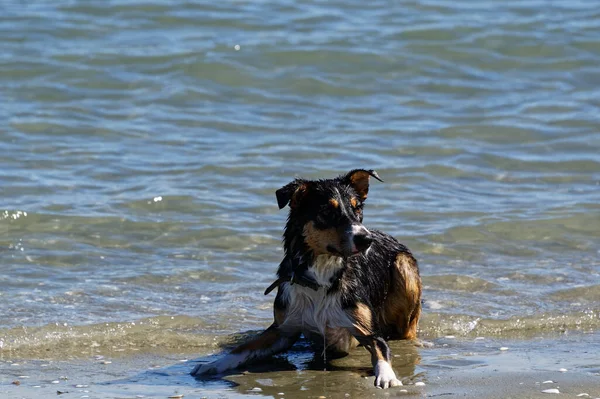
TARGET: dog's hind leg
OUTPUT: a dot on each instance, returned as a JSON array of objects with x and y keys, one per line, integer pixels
[{"x": 268, "y": 343}]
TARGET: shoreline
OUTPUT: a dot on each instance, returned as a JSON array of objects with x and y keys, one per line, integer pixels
[
  {"x": 450, "y": 367},
  {"x": 162, "y": 335}
]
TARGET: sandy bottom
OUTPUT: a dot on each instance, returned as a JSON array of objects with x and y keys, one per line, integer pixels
[{"x": 473, "y": 368}]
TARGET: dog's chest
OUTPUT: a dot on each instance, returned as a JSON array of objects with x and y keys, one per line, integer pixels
[
  {"x": 312, "y": 310},
  {"x": 324, "y": 268}
]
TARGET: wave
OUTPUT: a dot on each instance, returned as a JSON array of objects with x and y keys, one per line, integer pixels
[{"x": 189, "y": 335}]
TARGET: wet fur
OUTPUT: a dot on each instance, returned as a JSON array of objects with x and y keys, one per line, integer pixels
[{"x": 365, "y": 298}]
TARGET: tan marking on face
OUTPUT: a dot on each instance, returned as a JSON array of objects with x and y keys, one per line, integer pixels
[
  {"x": 353, "y": 202},
  {"x": 334, "y": 202},
  {"x": 363, "y": 319},
  {"x": 319, "y": 239}
]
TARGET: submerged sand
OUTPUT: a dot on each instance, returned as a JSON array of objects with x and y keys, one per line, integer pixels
[{"x": 451, "y": 367}]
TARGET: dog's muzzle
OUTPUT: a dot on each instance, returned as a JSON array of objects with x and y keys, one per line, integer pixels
[
  {"x": 362, "y": 242},
  {"x": 358, "y": 240}
]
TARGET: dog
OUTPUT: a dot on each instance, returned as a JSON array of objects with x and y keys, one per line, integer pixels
[{"x": 339, "y": 282}]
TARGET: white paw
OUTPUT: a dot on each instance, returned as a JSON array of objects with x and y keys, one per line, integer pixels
[
  {"x": 218, "y": 366},
  {"x": 385, "y": 376},
  {"x": 205, "y": 368}
]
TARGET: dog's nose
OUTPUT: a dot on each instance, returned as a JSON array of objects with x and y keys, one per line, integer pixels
[{"x": 362, "y": 241}]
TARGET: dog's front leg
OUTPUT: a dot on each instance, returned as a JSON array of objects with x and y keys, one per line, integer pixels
[
  {"x": 365, "y": 332},
  {"x": 268, "y": 343},
  {"x": 381, "y": 358}
]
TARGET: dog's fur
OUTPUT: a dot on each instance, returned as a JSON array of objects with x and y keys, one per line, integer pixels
[{"x": 365, "y": 286}]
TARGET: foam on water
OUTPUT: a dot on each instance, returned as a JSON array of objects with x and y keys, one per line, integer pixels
[{"x": 182, "y": 334}]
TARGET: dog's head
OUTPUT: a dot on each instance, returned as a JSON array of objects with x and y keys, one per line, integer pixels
[{"x": 328, "y": 213}]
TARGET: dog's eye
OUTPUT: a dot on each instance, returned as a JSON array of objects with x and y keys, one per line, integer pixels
[{"x": 322, "y": 216}]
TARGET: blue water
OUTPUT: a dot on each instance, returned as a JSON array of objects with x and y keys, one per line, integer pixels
[{"x": 143, "y": 142}]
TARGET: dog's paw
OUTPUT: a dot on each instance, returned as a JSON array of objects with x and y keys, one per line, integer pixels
[
  {"x": 204, "y": 369},
  {"x": 385, "y": 376},
  {"x": 228, "y": 362}
]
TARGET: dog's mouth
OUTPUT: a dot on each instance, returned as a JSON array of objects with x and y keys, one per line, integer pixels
[
  {"x": 331, "y": 249},
  {"x": 334, "y": 251}
]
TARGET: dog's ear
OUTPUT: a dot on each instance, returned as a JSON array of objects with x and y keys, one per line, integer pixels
[
  {"x": 291, "y": 193},
  {"x": 358, "y": 179}
]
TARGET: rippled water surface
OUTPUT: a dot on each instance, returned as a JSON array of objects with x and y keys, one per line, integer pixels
[{"x": 142, "y": 143}]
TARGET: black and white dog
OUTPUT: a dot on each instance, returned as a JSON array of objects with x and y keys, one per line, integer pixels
[{"x": 339, "y": 283}]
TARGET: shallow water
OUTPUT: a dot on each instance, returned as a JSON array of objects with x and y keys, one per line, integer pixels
[
  {"x": 143, "y": 142},
  {"x": 453, "y": 367}
]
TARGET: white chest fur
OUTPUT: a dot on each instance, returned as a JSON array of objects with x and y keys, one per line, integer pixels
[
  {"x": 324, "y": 269},
  {"x": 311, "y": 310}
]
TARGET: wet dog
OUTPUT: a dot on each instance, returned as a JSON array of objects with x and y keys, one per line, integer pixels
[{"x": 339, "y": 282}]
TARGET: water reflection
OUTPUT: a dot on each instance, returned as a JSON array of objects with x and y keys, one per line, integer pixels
[{"x": 301, "y": 372}]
